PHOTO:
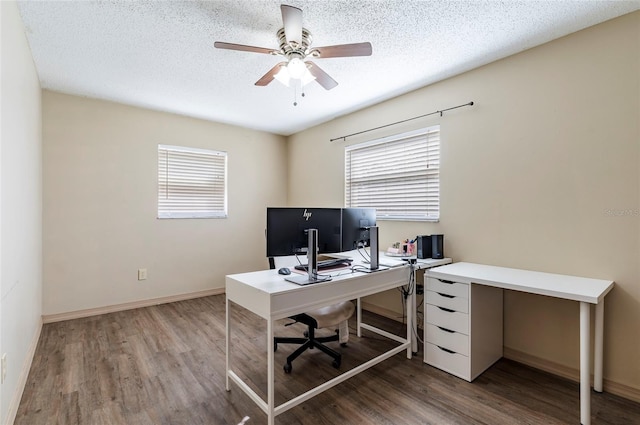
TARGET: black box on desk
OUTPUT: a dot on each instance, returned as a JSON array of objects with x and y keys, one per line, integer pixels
[{"x": 423, "y": 246}]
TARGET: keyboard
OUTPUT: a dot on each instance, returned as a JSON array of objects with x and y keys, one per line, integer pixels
[{"x": 327, "y": 264}]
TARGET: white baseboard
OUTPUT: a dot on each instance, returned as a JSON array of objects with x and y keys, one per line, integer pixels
[
  {"x": 78, "y": 314},
  {"x": 22, "y": 379},
  {"x": 573, "y": 374}
]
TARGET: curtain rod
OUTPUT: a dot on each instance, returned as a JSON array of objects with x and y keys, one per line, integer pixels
[{"x": 344, "y": 138}]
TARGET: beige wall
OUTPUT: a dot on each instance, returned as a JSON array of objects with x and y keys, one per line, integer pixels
[
  {"x": 20, "y": 208},
  {"x": 542, "y": 173},
  {"x": 100, "y": 205}
]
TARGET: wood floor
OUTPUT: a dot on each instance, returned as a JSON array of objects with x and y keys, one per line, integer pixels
[{"x": 165, "y": 365}]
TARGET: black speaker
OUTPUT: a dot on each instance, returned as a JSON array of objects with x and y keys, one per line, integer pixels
[
  {"x": 437, "y": 246},
  {"x": 423, "y": 246}
]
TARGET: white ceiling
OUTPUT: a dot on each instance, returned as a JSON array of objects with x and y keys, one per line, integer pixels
[{"x": 160, "y": 54}]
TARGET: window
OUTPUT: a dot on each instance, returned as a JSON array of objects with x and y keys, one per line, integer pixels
[
  {"x": 399, "y": 176},
  {"x": 192, "y": 183}
]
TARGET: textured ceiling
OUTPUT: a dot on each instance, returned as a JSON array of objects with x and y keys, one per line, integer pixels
[{"x": 160, "y": 54}]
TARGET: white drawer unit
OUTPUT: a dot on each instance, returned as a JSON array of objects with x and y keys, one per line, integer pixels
[
  {"x": 447, "y": 339},
  {"x": 447, "y": 318},
  {"x": 463, "y": 327},
  {"x": 447, "y": 360},
  {"x": 451, "y": 302},
  {"x": 448, "y": 287}
]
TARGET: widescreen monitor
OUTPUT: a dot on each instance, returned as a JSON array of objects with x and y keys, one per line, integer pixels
[
  {"x": 287, "y": 230},
  {"x": 355, "y": 227}
]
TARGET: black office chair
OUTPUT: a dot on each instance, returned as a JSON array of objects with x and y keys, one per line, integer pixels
[
  {"x": 333, "y": 315},
  {"x": 329, "y": 316}
]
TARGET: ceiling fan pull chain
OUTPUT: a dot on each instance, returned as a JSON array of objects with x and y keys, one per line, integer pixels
[{"x": 295, "y": 93}]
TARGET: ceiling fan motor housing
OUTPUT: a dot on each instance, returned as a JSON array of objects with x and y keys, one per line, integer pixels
[{"x": 292, "y": 49}]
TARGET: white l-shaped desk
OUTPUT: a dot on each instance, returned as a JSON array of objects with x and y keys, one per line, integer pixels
[
  {"x": 584, "y": 290},
  {"x": 270, "y": 296}
]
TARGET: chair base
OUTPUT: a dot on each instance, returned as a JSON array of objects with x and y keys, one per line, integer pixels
[{"x": 308, "y": 343}]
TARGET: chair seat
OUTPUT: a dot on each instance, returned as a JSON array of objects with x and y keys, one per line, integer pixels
[
  {"x": 336, "y": 315},
  {"x": 331, "y": 315}
]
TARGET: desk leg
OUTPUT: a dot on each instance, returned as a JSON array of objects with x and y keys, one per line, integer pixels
[
  {"x": 270, "y": 374},
  {"x": 598, "y": 349},
  {"x": 228, "y": 330},
  {"x": 414, "y": 322},
  {"x": 585, "y": 384},
  {"x": 358, "y": 318},
  {"x": 410, "y": 314}
]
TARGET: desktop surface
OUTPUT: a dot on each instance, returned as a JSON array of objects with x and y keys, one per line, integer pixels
[{"x": 555, "y": 285}]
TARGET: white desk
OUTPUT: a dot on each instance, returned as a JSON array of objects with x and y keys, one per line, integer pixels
[
  {"x": 584, "y": 290},
  {"x": 268, "y": 295}
]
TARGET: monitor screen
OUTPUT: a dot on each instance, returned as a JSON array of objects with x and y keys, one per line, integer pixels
[
  {"x": 287, "y": 230},
  {"x": 355, "y": 227}
]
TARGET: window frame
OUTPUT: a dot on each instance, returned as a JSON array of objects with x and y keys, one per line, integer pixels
[
  {"x": 214, "y": 164},
  {"x": 424, "y": 205}
]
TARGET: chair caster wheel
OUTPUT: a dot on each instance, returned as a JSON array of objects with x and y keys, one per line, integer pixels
[
  {"x": 343, "y": 344},
  {"x": 287, "y": 368},
  {"x": 306, "y": 334},
  {"x": 336, "y": 364}
]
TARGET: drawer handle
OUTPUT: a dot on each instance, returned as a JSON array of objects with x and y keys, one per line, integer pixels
[
  {"x": 446, "y": 350},
  {"x": 445, "y": 295},
  {"x": 450, "y": 282},
  {"x": 448, "y": 310},
  {"x": 446, "y": 330}
]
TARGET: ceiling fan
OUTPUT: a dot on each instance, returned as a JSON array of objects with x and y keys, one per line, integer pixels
[{"x": 295, "y": 47}]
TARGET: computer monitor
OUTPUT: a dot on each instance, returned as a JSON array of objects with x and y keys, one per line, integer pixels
[
  {"x": 355, "y": 227},
  {"x": 287, "y": 230}
]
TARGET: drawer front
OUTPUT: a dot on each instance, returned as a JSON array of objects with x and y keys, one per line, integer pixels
[
  {"x": 450, "y": 288},
  {"x": 453, "y": 363},
  {"x": 452, "y": 320},
  {"x": 454, "y": 341},
  {"x": 451, "y": 302}
]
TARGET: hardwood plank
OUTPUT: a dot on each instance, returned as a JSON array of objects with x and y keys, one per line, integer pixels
[{"x": 165, "y": 364}]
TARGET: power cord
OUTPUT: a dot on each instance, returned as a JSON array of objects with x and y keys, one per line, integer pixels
[{"x": 363, "y": 252}]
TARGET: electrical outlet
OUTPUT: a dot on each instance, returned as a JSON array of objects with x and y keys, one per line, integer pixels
[
  {"x": 4, "y": 367},
  {"x": 142, "y": 274}
]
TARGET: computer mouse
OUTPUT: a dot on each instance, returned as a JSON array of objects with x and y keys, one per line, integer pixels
[{"x": 284, "y": 270}]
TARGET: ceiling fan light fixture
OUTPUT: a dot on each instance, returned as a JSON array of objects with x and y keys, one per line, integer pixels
[
  {"x": 296, "y": 68},
  {"x": 307, "y": 77},
  {"x": 283, "y": 76}
]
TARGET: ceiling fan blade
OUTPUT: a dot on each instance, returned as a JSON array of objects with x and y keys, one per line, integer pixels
[
  {"x": 344, "y": 50},
  {"x": 269, "y": 76},
  {"x": 292, "y": 20},
  {"x": 242, "y": 47},
  {"x": 321, "y": 77}
]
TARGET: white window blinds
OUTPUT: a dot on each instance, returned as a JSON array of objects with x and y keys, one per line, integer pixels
[
  {"x": 192, "y": 183},
  {"x": 399, "y": 176}
]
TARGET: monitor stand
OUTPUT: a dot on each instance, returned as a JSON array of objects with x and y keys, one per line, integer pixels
[
  {"x": 374, "y": 252},
  {"x": 312, "y": 262}
]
